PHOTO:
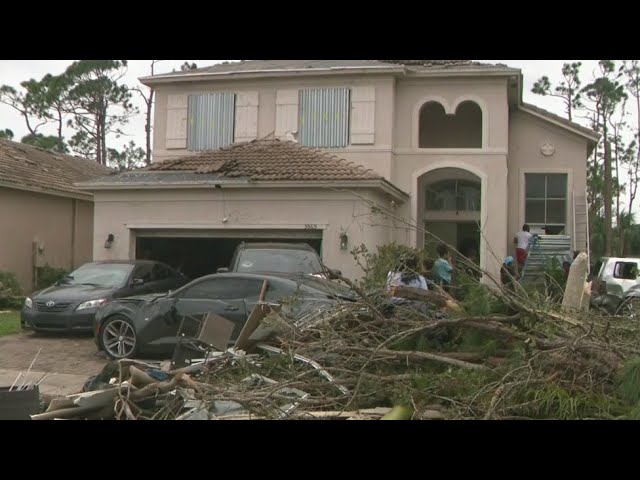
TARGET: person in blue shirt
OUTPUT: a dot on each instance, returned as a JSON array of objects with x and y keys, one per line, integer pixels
[{"x": 442, "y": 268}]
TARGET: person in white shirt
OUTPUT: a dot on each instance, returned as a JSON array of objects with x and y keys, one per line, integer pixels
[
  {"x": 522, "y": 244},
  {"x": 406, "y": 275}
]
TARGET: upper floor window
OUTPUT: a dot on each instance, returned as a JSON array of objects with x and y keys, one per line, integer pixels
[
  {"x": 324, "y": 117},
  {"x": 437, "y": 129},
  {"x": 546, "y": 201},
  {"x": 210, "y": 120}
]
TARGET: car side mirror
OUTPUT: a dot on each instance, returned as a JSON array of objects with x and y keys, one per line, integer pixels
[
  {"x": 137, "y": 282},
  {"x": 222, "y": 270}
]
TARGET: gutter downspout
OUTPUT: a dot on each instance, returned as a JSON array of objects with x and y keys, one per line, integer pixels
[{"x": 74, "y": 221}]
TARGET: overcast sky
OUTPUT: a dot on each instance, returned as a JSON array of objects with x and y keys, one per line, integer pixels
[{"x": 12, "y": 72}]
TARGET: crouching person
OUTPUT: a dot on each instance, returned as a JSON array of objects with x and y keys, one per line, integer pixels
[{"x": 406, "y": 275}]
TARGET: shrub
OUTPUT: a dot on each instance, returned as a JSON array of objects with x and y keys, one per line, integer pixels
[
  {"x": 377, "y": 265},
  {"x": 10, "y": 291},
  {"x": 48, "y": 276},
  {"x": 8, "y": 281}
]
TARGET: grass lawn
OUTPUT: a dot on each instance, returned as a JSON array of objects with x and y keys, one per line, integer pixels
[{"x": 9, "y": 322}]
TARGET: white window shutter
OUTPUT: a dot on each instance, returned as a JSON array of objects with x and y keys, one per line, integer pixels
[
  {"x": 176, "y": 136},
  {"x": 246, "y": 127},
  {"x": 286, "y": 112},
  {"x": 363, "y": 115}
]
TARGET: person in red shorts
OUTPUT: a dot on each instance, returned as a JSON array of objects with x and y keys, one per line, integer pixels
[{"x": 522, "y": 243}]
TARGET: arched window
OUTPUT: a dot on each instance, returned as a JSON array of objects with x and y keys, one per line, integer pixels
[
  {"x": 437, "y": 129},
  {"x": 453, "y": 196}
]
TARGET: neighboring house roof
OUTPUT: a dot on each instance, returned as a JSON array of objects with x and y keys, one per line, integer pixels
[
  {"x": 561, "y": 121},
  {"x": 286, "y": 67},
  {"x": 263, "y": 161},
  {"x": 31, "y": 168}
]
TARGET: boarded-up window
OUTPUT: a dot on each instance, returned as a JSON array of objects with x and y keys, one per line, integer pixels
[
  {"x": 324, "y": 117},
  {"x": 211, "y": 121}
]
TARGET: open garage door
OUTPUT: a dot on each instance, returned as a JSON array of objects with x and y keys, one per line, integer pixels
[{"x": 201, "y": 252}]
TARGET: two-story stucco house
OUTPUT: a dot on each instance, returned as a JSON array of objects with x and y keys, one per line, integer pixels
[{"x": 301, "y": 150}]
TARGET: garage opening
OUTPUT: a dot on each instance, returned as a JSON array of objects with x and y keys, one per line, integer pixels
[{"x": 198, "y": 256}]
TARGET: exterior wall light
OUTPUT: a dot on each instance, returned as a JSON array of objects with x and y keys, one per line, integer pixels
[
  {"x": 109, "y": 241},
  {"x": 344, "y": 241}
]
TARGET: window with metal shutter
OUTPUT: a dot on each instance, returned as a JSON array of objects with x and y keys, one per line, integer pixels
[
  {"x": 324, "y": 117},
  {"x": 211, "y": 121}
]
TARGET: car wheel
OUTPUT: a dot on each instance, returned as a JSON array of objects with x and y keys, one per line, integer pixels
[
  {"x": 118, "y": 338},
  {"x": 630, "y": 308}
]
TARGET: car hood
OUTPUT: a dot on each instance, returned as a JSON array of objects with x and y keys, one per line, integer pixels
[{"x": 72, "y": 293}]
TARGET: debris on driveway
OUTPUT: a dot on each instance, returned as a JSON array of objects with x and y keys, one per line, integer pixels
[{"x": 495, "y": 355}]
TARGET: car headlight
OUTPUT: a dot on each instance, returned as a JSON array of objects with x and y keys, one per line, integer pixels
[
  {"x": 28, "y": 303},
  {"x": 92, "y": 304}
]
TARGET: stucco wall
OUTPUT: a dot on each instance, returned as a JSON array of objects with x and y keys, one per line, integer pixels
[
  {"x": 120, "y": 212},
  {"x": 489, "y": 94},
  {"x": 27, "y": 217},
  {"x": 527, "y": 135},
  {"x": 376, "y": 156}
]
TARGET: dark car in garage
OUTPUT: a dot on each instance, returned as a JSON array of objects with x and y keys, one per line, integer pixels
[
  {"x": 288, "y": 258},
  {"x": 71, "y": 304},
  {"x": 149, "y": 324}
]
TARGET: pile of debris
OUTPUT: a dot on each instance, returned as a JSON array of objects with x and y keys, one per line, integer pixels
[{"x": 429, "y": 357}]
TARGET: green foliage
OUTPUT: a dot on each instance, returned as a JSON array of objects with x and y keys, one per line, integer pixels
[
  {"x": 9, "y": 282},
  {"x": 47, "y": 276},
  {"x": 6, "y": 134},
  {"x": 46, "y": 142},
  {"x": 186, "y": 66},
  {"x": 555, "y": 402},
  {"x": 98, "y": 104},
  {"x": 10, "y": 291},
  {"x": 555, "y": 280},
  {"x": 131, "y": 157},
  {"x": 478, "y": 341},
  {"x": 628, "y": 381},
  {"x": 568, "y": 89},
  {"x": 481, "y": 300},
  {"x": 9, "y": 323},
  {"x": 377, "y": 265}
]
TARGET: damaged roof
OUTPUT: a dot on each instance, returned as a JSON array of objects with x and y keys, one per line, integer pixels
[
  {"x": 284, "y": 66},
  {"x": 262, "y": 160},
  {"x": 27, "y": 167},
  {"x": 269, "y": 159}
]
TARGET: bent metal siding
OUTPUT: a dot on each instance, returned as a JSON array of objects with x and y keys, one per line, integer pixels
[
  {"x": 324, "y": 117},
  {"x": 211, "y": 121}
]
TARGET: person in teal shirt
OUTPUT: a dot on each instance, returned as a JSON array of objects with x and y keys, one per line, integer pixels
[{"x": 442, "y": 268}]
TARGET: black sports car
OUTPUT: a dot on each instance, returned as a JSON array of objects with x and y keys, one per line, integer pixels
[
  {"x": 148, "y": 325},
  {"x": 71, "y": 303}
]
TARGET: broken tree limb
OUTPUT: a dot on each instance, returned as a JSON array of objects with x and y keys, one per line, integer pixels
[
  {"x": 438, "y": 297},
  {"x": 65, "y": 413},
  {"x": 420, "y": 356},
  {"x": 156, "y": 388},
  {"x": 140, "y": 378}
]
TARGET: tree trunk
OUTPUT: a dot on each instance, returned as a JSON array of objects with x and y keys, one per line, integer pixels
[
  {"x": 60, "y": 139},
  {"x": 619, "y": 223},
  {"x": 97, "y": 141},
  {"x": 607, "y": 193}
]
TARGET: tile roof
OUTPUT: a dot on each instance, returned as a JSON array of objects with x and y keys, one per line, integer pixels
[
  {"x": 245, "y": 66},
  {"x": 552, "y": 116},
  {"x": 268, "y": 159},
  {"x": 33, "y": 168}
]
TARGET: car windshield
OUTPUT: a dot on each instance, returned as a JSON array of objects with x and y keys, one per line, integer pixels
[
  {"x": 103, "y": 274},
  {"x": 280, "y": 261}
]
